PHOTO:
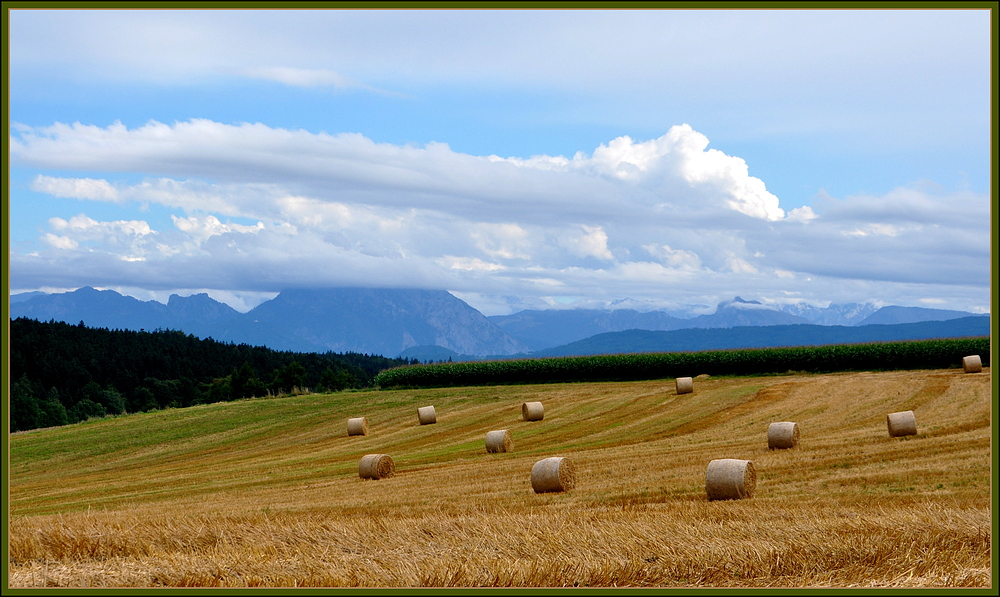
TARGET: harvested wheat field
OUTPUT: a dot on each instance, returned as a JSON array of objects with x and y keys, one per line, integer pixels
[{"x": 266, "y": 492}]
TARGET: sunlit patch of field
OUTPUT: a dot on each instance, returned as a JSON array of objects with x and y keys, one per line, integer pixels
[{"x": 267, "y": 493}]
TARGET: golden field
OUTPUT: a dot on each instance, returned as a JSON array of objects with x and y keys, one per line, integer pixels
[{"x": 266, "y": 492}]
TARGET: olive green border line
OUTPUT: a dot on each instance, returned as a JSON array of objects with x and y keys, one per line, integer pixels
[
  {"x": 465, "y": 5},
  {"x": 511, "y": 5}
]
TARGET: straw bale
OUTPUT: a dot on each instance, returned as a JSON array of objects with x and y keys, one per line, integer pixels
[
  {"x": 553, "y": 474},
  {"x": 782, "y": 435},
  {"x": 376, "y": 466},
  {"x": 532, "y": 411},
  {"x": 426, "y": 415},
  {"x": 972, "y": 364},
  {"x": 730, "y": 479},
  {"x": 684, "y": 385},
  {"x": 901, "y": 423},
  {"x": 499, "y": 441},
  {"x": 357, "y": 426}
]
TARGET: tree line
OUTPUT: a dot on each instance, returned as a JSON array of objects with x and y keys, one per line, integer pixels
[{"x": 62, "y": 373}]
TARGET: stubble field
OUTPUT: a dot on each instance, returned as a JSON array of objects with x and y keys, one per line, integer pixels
[{"x": 266, "y": 492}]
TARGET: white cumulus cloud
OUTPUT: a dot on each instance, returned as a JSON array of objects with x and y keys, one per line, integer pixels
[
  {"x": 678, "y": 162},
  {"x": 203, "y": 228},
  {"x": 256, "y": 208},
  {"x": 676, "y": 258},
  {"x": 593, "y": 242},
  {"x": 76, "y": 188},
  {"x": 90, "y": 228},
  {"x": 60, "y": 242}
]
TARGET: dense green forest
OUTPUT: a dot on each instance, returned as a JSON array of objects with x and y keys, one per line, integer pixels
[{"x": 62, "y": 373}]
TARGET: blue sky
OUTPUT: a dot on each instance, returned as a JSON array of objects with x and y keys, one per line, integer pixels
[{"x": 519, "y": 159}]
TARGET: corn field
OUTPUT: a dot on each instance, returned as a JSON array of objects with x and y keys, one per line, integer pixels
[{"x": 876, "y": 356}]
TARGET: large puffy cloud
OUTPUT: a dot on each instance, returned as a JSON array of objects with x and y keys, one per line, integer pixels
[
  {"x": 666, "y": 220},
  {"x": 675, "y": 172},
  {"x": 669, "y": 164}
]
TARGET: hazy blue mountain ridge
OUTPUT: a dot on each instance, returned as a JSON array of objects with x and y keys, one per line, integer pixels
[
  {"x": 738, "y": 313},
  {"x": 435, "y": 325},
  {"x": 835, "y": 314},
  {"x": 368, "y": 321},
  {"x": 384, "y": 321},
  {"x": 893, "y": 314},
  {"x": 96, "y": 308},
  {"x": 434, "y": 354},
  {"x": 23, "y": 296},
  {"x": 544, "y": 329},
  {"x": 695, "y": 339}
]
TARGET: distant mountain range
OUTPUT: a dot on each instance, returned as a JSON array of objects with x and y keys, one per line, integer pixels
[
  {"x": 767, "y": 337},
  {"x": 544, "y": 329},
  {"x": 540, "y": 330},
  {"x": 435, "y": 325},
  {"x": 368, "y": 321},
  {"x": 840, "y": 314}
]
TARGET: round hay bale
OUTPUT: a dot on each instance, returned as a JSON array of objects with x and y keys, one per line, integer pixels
[
  {"x": 730, "y": 479},
  {"x": 901, "y": 423},
  {"x": 376, "y": 466},
  {"x": 553, "y": 474},
  {"x": 426, "y": 415},
  {"x": 499, "y": 441},
  {"x": 357, "y": 426},
  {"x": 532, "y": 411},
  {"x": 972, "y": 364},
  {"x": 782, "y": 435},
  {"x": 684, "y": 385}
]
